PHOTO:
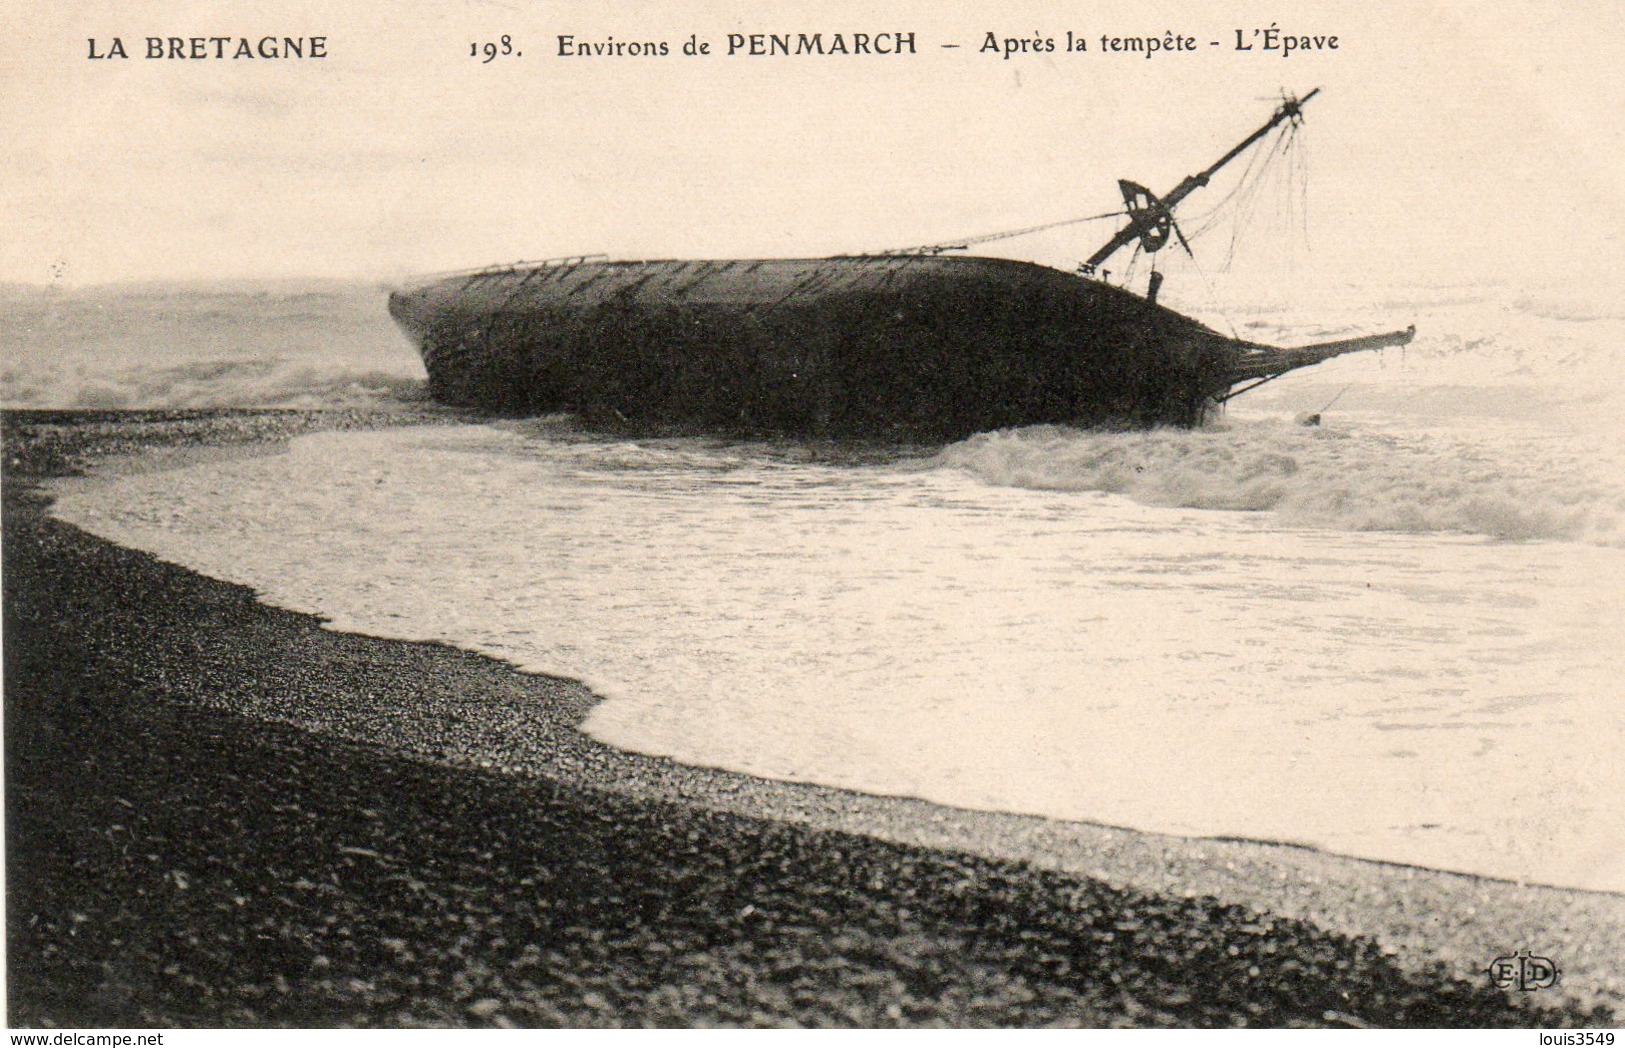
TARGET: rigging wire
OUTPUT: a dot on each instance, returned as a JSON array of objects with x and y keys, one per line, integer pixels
[
  {"x": 1301, "y": 148},
  {"x": 1248, "y": 205},
  {"x": 1133, "y": 260},
  {"x": 1240, "y": 202},
  {"x": 1335, "y": 399},
  {"x": 1213, "y": 301},
  {"x": 963, "y": 242},
  {"x": 1210, "y": 218},
  {"x": 1244, "y": 195}
]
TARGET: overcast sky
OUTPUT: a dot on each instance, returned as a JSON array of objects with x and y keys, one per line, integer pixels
[{"x": 1450, "y": 140}]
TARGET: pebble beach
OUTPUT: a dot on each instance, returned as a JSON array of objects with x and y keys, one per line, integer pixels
[{"x": 223, "y": 814}]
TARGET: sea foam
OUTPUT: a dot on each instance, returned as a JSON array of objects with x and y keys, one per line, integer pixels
[
  {"x": 1506, "y": 485},
  {"x": 906, "y": 627},
  {"x": 306, "y": 345}
]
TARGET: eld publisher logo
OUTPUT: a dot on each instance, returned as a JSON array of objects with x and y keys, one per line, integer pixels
[{"x": 1523, "y": 971}]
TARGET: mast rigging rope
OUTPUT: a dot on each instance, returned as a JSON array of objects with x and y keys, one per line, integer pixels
[{"x": 964, "y": 242}]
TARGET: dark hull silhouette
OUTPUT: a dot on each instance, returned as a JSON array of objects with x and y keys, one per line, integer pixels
[
  {"x": 896, "y": 346},
  {"x": 912, "y": 344}
]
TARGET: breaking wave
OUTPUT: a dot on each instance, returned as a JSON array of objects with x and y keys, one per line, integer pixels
[
  {"x": 296, "y": 345},
  {"x": 1506, "y": 486},
  {"x": 207, "y": 384},
  {"x": 1501, "y": 418}
]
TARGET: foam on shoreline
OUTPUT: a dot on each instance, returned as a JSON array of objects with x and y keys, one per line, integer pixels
[
  {"x": 1398, "y": 907},
  {"x": 911, "y": 632}
]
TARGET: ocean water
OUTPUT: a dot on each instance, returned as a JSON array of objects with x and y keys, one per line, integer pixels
[
  {"x": 292, "y": 344},
  {"x": 1395, "y": 635}
]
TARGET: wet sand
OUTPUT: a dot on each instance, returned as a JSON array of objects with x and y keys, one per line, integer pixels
[{"x": 220, "y": 813}]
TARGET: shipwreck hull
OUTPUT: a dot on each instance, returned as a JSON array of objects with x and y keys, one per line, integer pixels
[{"x": 917, "y": 346}]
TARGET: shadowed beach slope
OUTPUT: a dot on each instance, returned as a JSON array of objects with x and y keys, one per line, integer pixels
[{"x": 220, "y": 813}]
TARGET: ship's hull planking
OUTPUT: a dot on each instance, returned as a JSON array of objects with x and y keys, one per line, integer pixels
[{"x": 916, "y": 346}]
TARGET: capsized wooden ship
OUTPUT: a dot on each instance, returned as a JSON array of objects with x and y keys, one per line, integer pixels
[{"x": 917, "y": 344}]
